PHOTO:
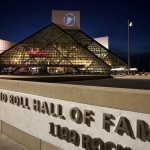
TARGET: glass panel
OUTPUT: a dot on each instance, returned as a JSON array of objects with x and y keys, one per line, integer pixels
[{"x": 53, "y": 51}]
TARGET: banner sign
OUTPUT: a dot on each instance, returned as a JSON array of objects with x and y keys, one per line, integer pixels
[{"x": 66, "y": 19}]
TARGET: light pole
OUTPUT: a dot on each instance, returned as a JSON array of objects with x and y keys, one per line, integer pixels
[
  {"x": 149, "y": 64},
  {"x": 128, "y": 46},
  {"x": 129, "y": 25}
]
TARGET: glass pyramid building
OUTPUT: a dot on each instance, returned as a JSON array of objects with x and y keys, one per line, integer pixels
[{"x": 54, "y": 50}]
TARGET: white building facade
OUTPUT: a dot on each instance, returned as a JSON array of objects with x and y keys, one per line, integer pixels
[{"x": 4, "y": 45}]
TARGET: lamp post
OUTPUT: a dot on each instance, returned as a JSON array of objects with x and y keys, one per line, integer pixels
[
  {"x": 149, "y": 64},
  {"x": 129, "y": 25}
]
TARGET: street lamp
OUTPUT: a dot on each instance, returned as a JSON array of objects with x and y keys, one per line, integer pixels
[{"x": 129, "y": 25}]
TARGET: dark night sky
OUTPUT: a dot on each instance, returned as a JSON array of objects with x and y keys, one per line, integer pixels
[{"x": 21, "y": 18}]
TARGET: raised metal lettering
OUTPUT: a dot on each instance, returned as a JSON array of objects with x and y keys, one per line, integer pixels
[
  {"x": 44, "y": 108},
  {"x": 37, "y": 105},
  {"x": 107, "y": 121},
  {"x": 124, "y": 126},
  {"x": 86, "y": 142},
  {"x": 143, "y": 131},
  {"x": 88, "y": 117},
  {"x": 76, "y": 115},
  {"x": 97, "y": 144}
]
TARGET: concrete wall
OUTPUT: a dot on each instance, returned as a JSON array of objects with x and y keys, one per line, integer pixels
[
  {"x": 125, "y": 99},
  {"x": 0, "y": 126},
  {"x": 122, "y": 99},
  {"x": 25, "y": 139}
]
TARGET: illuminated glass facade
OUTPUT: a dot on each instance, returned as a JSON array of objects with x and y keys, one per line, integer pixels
[
  {"x": 96, "y": 48},
  {"x": 53, "y": 50}
]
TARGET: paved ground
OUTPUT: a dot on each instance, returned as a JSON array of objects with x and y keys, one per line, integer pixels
[
  {"x": 131, "y": 83},
  {"x": 8, "y": 144},
  {"x": 53, "y": 78}
]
